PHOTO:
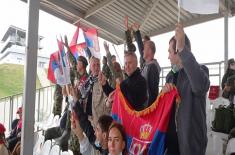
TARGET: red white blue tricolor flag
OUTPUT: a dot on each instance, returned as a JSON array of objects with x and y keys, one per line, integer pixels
[
  {"x": 62, "y": 75},
  {"x": 53, "y": 66},
  {"x": 146, "y": 129},
  {"x": 91, "y": 38}
]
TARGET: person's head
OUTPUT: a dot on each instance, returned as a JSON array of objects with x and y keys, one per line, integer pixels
[
  {"x": 173, "y": 55},
  {"x": 149, "y": 50},
  {"x": 19, "y": 112},
  {"x": 231, "y": 64},
  {"x": 113, "y": 58},
  {"x": 131, "y": 47},
  {"x": 102, "y": 128},
  {"x": 104, "y": 61},
  {"x": 117, "y": 139},
  {"x": 94, "y": 66},
  {"x": 81, "y": 63},
  {"x": 146, "y": 38},
  {"x": 2, "y": 133},
  {"x": 131, "y": 63}
]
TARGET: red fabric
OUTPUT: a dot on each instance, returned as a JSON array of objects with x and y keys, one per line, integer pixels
[
  {"x": 157, "y": 115},
  {"x": 213, "y": 92},
  {"x": 75, "y": 37},
  {"x": 19, "y": 125},
  {"x": 2, "y": 128},
  {"x": 54, "y": 58}
]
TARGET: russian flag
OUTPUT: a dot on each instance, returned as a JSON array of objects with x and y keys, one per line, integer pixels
[{"x": 146, "y": 129}]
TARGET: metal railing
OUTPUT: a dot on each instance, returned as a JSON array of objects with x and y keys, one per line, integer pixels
[
  {"x": 43, "y": 106},
  {"x": 216, "y": 72},
  {"x": 44, "y": 96}
]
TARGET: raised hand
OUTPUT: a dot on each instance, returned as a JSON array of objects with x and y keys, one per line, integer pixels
[
  {"x": 179, "y": 37},
  {"x": 75, "y": 126},
  {"x": 106, "y": 46},
  {"x": 109, "y": 102},
  {"x": 167, "y": 88},
  {"x": 136, "y": 26},
  {"x": 102, "y": 79},
  {"x": 126, "y": 22}
]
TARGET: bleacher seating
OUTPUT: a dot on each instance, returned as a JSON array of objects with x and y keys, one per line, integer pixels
[
  {"x": 230, "y": 147},
  {"x": 55, "y": 150},
  {"x": 46, "y": 148}
]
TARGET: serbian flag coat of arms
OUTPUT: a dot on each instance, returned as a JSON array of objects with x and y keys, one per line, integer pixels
[{"x": 146, "y": 129}]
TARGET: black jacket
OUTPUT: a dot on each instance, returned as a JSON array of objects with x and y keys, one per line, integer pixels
[{"x": 134, "y": 89}]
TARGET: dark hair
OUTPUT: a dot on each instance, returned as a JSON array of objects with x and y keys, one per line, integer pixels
[
  {"x": 123, "y": 134},
  {"x": 83, "y": 60},
  {"x": 117, "y": 67},
  {"x": 131, "y": 47},
  {"x": 113, "y": 56},
  {"x": 187, "y": 42},
  {"x": 104, "y": 122},
  {"x": 228, "y": 70},
  {"x": 146, "y": 38},
  {"x": 105, "y": 58}
]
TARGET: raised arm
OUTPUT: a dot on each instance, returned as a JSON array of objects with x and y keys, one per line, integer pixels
[{"x": 198, "y": 75}]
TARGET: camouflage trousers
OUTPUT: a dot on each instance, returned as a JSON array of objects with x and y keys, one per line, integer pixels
[
  {"x": 74, "y": 144},
  {"x": 58, "y": 100}
]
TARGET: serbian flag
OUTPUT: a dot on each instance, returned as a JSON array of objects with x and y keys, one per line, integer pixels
[
  {"x": 146, "y": 129},
  {"x": 91, "y": 38},
  {"x": 53, "y": 66},
  {"x": 63, "y": 75},
  {"x": 78, "y": 50}
]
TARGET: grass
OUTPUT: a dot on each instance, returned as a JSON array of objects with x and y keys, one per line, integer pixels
[{"x": 12, "y": 79}]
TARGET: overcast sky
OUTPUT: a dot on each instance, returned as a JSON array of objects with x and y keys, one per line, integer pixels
[{"x": 207, "y": 39}]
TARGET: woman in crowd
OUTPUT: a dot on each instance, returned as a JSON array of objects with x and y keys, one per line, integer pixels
[{"x": 117, "y": 140}]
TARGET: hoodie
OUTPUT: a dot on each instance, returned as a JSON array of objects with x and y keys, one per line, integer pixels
[{"x": 151, "y": 72}]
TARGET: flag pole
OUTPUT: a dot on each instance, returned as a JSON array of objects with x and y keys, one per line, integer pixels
[
  {"x": 178, "y": 19},
  {"x": 179, "y": 9}
]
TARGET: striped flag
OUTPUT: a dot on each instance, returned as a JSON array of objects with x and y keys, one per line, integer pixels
[{"x": 146, "y": 129}]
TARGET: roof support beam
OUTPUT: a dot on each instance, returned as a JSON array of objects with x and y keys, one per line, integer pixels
[
  {"x": 189, "y": 23},
  {"x": 98, "y": 7},
  {"x": 148, "y": 14},
  {"x": 106, "y": 27}
]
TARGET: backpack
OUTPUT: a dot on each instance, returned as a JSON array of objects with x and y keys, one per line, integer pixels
[{"x": 224, "y": 119}]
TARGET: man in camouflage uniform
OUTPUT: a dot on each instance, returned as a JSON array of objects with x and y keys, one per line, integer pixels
[
  {"x": 58, "y": 99},
  {"x": 78, "y": 75},
  {"x": 106, "y": 70},
  {"x": 79, "y": 80}
]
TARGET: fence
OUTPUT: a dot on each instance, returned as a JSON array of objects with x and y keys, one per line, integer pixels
[
  {"x": 43, "y": 105},
  {"x": 44, "y": 96}
]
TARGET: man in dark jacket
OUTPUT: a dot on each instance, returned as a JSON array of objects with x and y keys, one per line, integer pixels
[
  {"x": 192, "y": 82},
  {"x": 150, "y": 69},
  {"x": 134, "y": 87}
]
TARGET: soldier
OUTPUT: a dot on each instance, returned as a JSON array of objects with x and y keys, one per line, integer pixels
[
  {"x": 106, "y": 70},
  {"x": 58, "y": 99},
  {"x": 81, "y": 78}
]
